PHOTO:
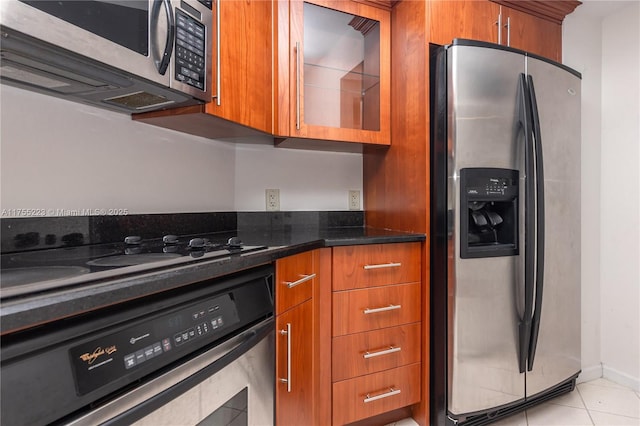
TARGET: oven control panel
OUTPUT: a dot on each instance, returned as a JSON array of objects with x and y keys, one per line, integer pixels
[{"x": 152, "y": 343}]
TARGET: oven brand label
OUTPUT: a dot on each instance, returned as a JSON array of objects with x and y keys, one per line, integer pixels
[{"x": 91, "y": 357}]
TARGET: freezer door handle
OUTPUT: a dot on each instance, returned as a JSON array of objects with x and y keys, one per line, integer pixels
[
  {"x": 540, "y": 224},
  {"x": 524, "y": 116}
]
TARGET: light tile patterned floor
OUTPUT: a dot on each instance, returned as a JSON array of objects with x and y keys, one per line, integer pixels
[{"x": 599, "y": 402}]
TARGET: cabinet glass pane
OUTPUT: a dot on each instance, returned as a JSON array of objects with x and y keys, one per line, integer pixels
[{"x": 341, "y": 69}]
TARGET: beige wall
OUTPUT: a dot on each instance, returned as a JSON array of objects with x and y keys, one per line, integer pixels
[
  {"x": 62, "y": 155},
  {"x": 602, "y": 41}
]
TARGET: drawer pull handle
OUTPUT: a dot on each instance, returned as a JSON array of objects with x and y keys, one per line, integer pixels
[
  {"x": 304, "y": 278},
  {"x": 383, "y": 265},
  {"x": 391, "y": 392},
  {"x": 383, "y": 309},
  {"x": 384, "y": 352},
  {"x": 287, "y": 333}
]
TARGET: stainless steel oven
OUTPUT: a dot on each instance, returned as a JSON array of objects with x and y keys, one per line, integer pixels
[{"x": 198, "y": 355}]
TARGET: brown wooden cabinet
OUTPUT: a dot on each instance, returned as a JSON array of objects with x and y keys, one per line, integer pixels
[
  {"x": 242, "y": 77},
  {"x": 475, "y": 20},
  {"x": 376, "y": 329},
  {"x": 496, "y": 23},
  {"x": 294, "y": 360},
  {"x": 244, "y": 67},
  {"x": 302, "y": 378},
  {"x": 333, "y": 71},
  {"x": 295, "y": 279},
  {"x": 532, "y": 34}
]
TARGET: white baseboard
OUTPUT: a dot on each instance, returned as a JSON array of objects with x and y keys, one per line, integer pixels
[
  {"x": 590, "y": 373},
  {"x": 621, "y": 378}
]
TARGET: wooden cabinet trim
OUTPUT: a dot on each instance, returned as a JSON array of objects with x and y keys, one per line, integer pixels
[{"x": 554, "y": 11}]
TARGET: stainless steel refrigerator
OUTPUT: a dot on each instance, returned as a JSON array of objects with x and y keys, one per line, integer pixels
[{"x": 505, "y": 236}]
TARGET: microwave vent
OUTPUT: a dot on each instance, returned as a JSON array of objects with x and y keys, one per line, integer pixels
[{"x": 139, "y": 101}]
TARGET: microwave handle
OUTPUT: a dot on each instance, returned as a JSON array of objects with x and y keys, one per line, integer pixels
[{"x": 163, "y": 63}]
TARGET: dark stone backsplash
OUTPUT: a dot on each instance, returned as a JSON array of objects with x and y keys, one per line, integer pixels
[{"x": 24, "y": 234}]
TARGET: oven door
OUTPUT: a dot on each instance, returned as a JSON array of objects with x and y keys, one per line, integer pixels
[{"x": 231, "y": 384}]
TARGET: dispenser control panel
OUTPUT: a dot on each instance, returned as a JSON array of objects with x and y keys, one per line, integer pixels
[
  {"x": 488, "y": 185},
  {"x": 488, "y": 212}
]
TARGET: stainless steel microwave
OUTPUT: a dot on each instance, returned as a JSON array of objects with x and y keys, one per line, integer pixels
[{"x": 125, "y": 55}]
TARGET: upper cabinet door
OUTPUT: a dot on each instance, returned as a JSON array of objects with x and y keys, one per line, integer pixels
[
  {"x": 242, "y": 76},
  {"x": 333, "y": 71},
  {"x": 474, "y": 20},
  {"x": 488, "y": 21},
  {"x": 532, "y": 34}
]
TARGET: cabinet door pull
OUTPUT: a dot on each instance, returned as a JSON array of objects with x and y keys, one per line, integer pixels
[
  {"x": 383, "y": 309},
  {"x": 499, "y": 24},
  {"x": 383, "y": 265},
  {"x": 287, "y": 333},
  {"x": 391, "y": 350},
  {"x": 304, "y": 278},
  {"x": 508, "y": 27},
  {"x": 219, "y": 70},
  {"x": 391, "y": 392},
  {"x": 297, "y": 85}
]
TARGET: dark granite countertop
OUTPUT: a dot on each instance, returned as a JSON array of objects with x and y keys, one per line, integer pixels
[{"x": 283, "y": 237}]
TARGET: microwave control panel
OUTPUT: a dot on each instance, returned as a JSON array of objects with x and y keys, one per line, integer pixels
[{"x": 190, "y": 51}]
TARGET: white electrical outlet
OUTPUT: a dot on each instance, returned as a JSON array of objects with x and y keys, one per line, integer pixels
[
  {"x": 354, "y": 199},
  {"x": 272, "y": 197}
]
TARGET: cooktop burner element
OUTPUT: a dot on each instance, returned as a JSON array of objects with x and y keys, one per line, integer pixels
[{"x": 37, "y": 270}]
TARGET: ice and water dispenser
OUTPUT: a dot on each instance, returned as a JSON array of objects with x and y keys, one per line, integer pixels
[{"x": 488, "y": 212}]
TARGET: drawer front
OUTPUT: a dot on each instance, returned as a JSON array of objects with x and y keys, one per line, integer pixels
[
  {"x": 373, "y": 394},
  {"x": 370, "y": 309},
  {"x": 295, "y": 278},
  {"x": 365, "y": 353},
  {"x": 375, "y": 265}
]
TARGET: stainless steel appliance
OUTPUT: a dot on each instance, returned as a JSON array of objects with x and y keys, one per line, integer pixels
[
  {"x": 505, "y": 265},
  {"x": 128, "y": 56},
  {"x": 201, "y": 354}
]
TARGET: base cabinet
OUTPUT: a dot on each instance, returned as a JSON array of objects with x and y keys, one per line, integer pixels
[
  {"x": 302, "y": 373},
  {"x": 376, "y": 330},
  {"x": 294, "y": 358},
  {"x": 349, "y": 334}
]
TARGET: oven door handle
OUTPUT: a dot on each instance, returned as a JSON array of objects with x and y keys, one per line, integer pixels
[{"x": 146, "y": 398}]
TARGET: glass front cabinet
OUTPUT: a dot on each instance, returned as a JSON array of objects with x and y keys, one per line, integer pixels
[{"x": 333, "y": 71}]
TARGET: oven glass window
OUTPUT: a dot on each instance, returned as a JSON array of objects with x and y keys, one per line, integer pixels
[
  {"x": 231, "y": 413},
  {"x": 125, "y": 22}
]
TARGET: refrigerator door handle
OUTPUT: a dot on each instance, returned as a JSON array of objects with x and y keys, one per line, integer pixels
[
  {"x": 524, "y": 326},
  {"x": 540, "y": 224}
]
